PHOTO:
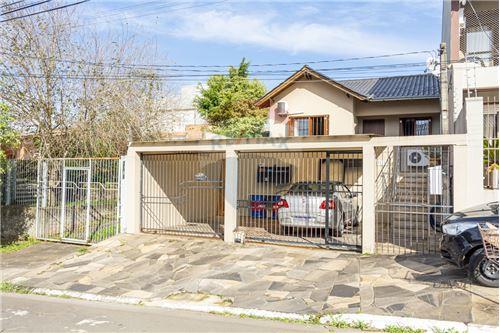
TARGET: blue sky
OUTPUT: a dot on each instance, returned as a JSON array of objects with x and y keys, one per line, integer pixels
[{"x": 222, "y": 32}]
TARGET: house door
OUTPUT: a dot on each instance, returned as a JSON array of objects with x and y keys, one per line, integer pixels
[{"x": 374, "y": 126}]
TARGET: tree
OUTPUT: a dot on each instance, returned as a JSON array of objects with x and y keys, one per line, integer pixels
[
  {"x": 227, "y": 103},
  {"x": 77, "y": 91},
  {"x": 9, "y": 137}
]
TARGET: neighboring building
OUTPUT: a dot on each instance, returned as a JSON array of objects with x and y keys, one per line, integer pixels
[
  {"x": 470, "y": 75},
  {"x": 470, "y": 38},
  {"x": 311, "y": 103},
  {"x": 182, "y": 121}
]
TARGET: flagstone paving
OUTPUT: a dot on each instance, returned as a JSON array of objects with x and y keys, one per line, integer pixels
[{"x": 269, "y": 277}]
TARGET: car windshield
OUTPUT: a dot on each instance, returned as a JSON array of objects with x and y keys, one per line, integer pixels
[{"x": 302, "y": 188}]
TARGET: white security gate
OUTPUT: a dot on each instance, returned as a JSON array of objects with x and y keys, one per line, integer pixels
[{"x": 78, "y": 199}]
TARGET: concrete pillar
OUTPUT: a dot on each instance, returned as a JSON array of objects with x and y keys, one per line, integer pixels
[
  {"x": 468, "y": 186},
  {"x": 460, "y": 181},
  {"x": 369, "y": 170},
  {"x": 132, "y": 196},
  {"x": 230, "y": 196}
]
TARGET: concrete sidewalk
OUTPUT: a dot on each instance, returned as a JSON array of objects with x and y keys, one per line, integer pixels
[{"x": 294, "y": 280}]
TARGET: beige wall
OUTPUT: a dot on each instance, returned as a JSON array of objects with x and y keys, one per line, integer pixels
[
  {"x": 345, "y": 111},
  {"x": 408, "y": 107},
  {"x": 314, "y": 98},
  {"x": 392, "y": 123}
]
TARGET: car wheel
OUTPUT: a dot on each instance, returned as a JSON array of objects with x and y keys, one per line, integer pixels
[{"x": 482, "y": 270}]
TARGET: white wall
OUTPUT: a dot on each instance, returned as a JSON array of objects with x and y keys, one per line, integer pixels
[{"x": 461, "y": 76}]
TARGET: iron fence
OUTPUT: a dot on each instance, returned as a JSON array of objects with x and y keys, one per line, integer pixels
[
  {"x": 183, "y": 193},
  {"x": 491, "y": 150},
  {"x": 77, "y": 199},
  {"x": 413, "y": 196},
  {"x": 307, "y": 198},
  {"x": 19, "y": 182}
]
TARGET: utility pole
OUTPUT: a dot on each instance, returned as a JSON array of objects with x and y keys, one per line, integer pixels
[{"x": 443, "y": 78}]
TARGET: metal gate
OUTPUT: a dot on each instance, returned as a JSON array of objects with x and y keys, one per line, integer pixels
[
  {"x": 78, "y": 199},
  {"x": 183, "y": 193},
  {"x": 306, "y": 198},
  {"x": 414, "y": 195}
]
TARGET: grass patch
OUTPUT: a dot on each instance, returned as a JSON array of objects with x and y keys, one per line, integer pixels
[
  {"x": 16, "y": 246},
  {"x": 445, "y": 330},
  {"x": 7, "y": 287},
  {"x": 402, "y": 329},
  {"x": 82, "y": 251}
]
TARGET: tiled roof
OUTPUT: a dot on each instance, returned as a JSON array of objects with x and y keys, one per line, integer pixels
[{"x": 396, "y": 87}]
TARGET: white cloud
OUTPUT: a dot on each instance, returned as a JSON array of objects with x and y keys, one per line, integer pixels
[{"x": 277, "y": 32}]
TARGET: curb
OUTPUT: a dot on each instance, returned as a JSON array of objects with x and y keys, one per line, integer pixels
[{"x": 373, "y": 321}]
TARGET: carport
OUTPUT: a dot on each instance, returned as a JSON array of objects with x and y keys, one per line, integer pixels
[{"x": 273, "y": 190}]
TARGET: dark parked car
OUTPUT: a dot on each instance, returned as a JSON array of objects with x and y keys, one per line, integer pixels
[{"x": 462, "y": 244}]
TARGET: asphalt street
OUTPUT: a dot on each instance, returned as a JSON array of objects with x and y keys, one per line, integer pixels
[{"x": 33, "y": 313}]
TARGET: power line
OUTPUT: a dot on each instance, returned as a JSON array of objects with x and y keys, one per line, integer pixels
[
  {"x": 214, "y": 66},
  {"x": 44, "y": 11},
  {"x": 208, "y": 73},
  {"x": 149, "y": 13},
  {"x": 26, "y": 7},
  {"x": 12, "y": 3},
  {"x": 118, "y": 76}
]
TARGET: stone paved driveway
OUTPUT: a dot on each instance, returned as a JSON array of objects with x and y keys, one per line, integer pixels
[{"x": 270, "y": 278}]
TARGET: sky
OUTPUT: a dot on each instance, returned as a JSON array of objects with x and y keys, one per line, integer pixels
[{"x": 217, "y": 32}]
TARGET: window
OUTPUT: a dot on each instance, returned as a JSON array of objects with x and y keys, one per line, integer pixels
[
  {"x": 374, "y": 126},
  {"x": 415, "y": 126},
  {"x": 307, "y": 126},
  {"x": 479, "y": 44}
]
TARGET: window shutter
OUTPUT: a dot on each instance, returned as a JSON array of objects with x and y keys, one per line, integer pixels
[{"x": 290, "y": 127}]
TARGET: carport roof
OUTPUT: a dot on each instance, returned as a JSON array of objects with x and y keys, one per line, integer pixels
[{"x": 266, "y": 140}]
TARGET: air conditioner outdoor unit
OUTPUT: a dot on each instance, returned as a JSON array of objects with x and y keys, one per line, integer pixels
[
  {"x": 416, "y": 157},
  {"x": 282, "y": 109}
]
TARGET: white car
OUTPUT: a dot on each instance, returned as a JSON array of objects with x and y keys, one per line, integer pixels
[{"x": 304, "y": 206}]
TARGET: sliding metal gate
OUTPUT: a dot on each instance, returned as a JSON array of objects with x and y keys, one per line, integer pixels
[
  {"x": 183, "y": 193},
  {"x": 306, "y": 198},
  {"x": 414, "y": 195},
  {"x": 77, "y": 199}
]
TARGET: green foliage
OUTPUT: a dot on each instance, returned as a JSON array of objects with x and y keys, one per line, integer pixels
[
  {"x": 245, "y": 127},
  {"x": 402, "y": 329},
  {"x": 16, "y": 246},
  {"x": 7, "y": 287},
  {"x": 491, "y": 154},
  {"x": 227, "y": 103},
  {"x": 9, "y": 137}
]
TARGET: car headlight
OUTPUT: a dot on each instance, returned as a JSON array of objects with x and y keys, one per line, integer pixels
[{"x": 457, "y": 228}]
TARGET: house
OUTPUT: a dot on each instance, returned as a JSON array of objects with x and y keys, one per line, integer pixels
[{"x": 311, "y": 103}]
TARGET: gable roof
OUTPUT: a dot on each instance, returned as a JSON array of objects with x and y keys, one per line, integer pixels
[
  {"x": 407, "y": 87},
  {"x": 306, "y": 70}
]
